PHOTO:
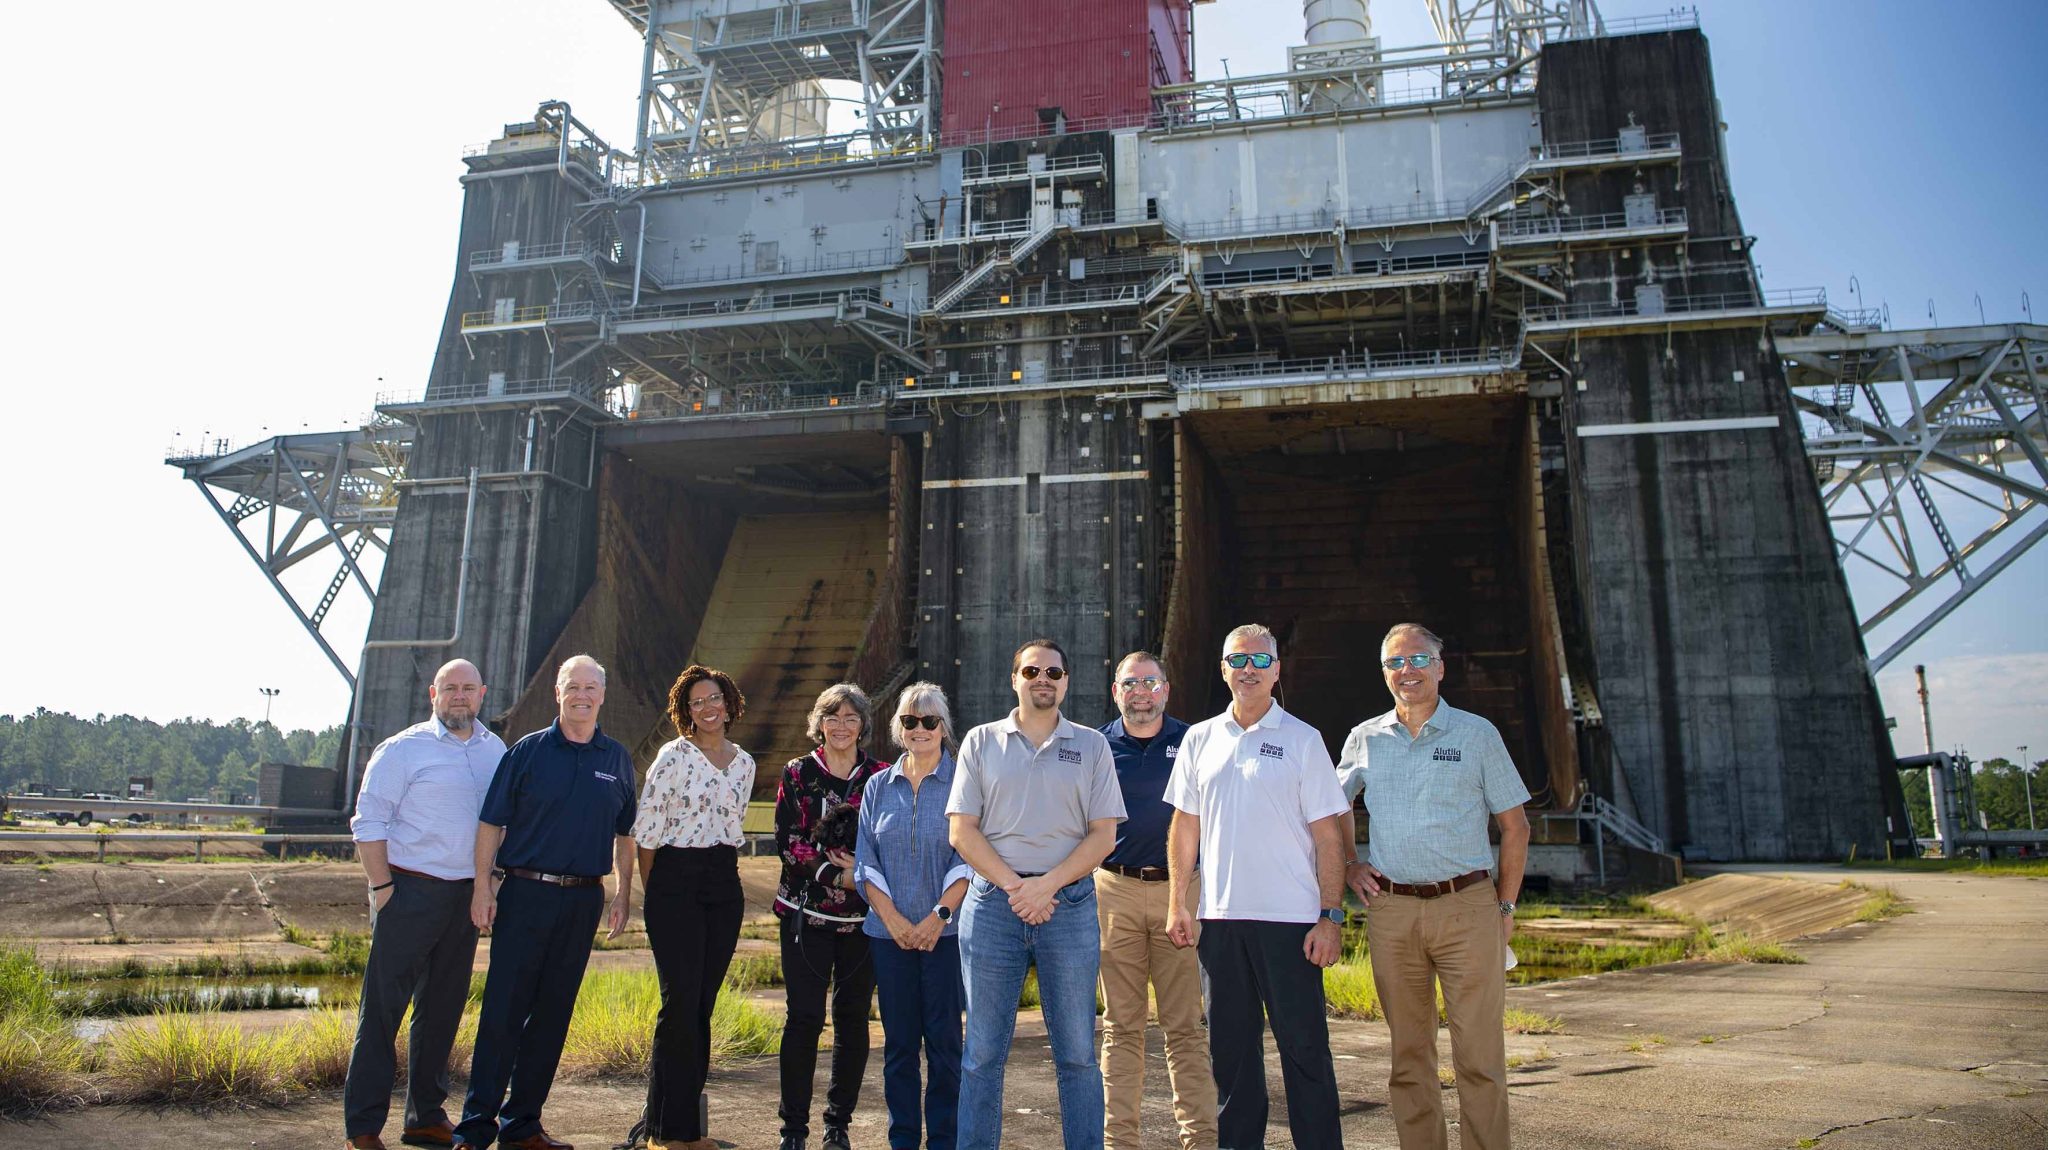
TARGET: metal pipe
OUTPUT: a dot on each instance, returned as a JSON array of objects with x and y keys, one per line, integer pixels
[
  {"x": 355, "y": 718},
  {"x": 639, "y": 253},
  {"x": 1336, "y": 21},
  {"x": 1937, "y": 784}
]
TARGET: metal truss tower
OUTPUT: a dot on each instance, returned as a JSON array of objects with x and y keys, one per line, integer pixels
[
  {"x": 721, "y": 78},
  {"x": 1929, "y": 447},
  {"x": 297, "y": 498}
]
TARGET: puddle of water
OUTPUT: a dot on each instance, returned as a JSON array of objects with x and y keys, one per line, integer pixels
[{"x": 117, "y": 997}]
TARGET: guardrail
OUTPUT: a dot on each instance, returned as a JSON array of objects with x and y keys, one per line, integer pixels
[
  {"x": 1199, "y": 376},
  {"x": 1679, "y": 305},
  {"x": 504, "y": 256},
  {"x": 1014, "y": 378},
  {"x": 537, "y": 313},
  {"x": 466, "y": 390},
  {"x": 1678, "y": 19},
  {"x": 749, "y": 303},
  {"x": 1531, "y": 227},
  {"x": 1610, "y": 146},
  {"x": 766, "y": 400},
  {"x": 867, "y": 259},
  {"x": 198, "y": 839},
  {"x": 1056, "y": 165}
]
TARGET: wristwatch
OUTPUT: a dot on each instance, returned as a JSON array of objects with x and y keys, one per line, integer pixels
[
  {"x": 1507, "y": 909},
  {"x": 944, "y": 912},
  {"x": 1333, "y": 914}
]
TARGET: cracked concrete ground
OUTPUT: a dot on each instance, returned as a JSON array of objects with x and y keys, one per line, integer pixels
[{"x": 1928, "y": 1031}]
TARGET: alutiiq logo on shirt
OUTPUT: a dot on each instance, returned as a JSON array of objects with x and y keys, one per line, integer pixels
[
  {"x": 1447, "y": 755},
  {"x": 605, "y": 777},
  {"x": 1272, "y": 751},
  {"x": 1173, "y": 752},
  {"x": 1069, "y": 756}
]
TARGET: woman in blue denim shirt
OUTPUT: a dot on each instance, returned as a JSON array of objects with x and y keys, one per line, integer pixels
[{"x": 914, "y": 883}]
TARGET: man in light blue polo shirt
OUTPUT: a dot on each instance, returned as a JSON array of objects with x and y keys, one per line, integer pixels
[
  {"x": 415, "y": 832},
  {"x": 1432, "y": 775}
]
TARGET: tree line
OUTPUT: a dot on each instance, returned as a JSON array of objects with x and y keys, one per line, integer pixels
[
  {"x": 2001, "y": 796},
  {"x": 188, "y": 758}
]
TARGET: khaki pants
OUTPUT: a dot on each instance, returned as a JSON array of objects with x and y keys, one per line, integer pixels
[
  {"x": 1455, "y": 940},
  {"x": 1135, "y": 950}
]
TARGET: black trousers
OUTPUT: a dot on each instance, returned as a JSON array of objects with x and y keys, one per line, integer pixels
[
  {"x": 693, "y": 912},
  {"x": 539, "y": 947},
  {"x": 813, "y": 957},
  {"x": 421, "y": 948},
  {"x": 1257, "y": 971}
]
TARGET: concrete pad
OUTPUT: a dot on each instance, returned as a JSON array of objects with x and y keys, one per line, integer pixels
[
  {"x": 184, "y": 900},
  {"x": 1764, "y": 907},
  {"x": 55, "y": 902}
]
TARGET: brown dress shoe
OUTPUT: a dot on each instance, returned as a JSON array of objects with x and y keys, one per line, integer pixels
[
  {"x": 439, "y": 1134},
  {"x": 538, "y": 1141},
  {"x": 364, "y": 1142}
]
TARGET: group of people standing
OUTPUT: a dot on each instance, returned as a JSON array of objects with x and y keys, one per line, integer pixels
[{"x": 1207, "y": 863}]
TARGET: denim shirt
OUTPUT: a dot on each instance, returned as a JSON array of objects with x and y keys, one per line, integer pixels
[{"x": 904, "y": 849}]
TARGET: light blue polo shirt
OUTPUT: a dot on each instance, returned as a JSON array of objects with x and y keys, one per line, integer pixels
[{"x": 1430, "y": 796}]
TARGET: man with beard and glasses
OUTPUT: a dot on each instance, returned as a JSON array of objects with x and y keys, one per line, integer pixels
[
  {"x": 1131, "y": 904},
  {"x": 1254, "y": 790},
  {"x": 1034, "y": 808},
  {"x": 415, "y": 832}
]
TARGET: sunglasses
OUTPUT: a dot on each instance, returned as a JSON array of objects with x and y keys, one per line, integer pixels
[
  {"x": 1053, "y": 673},
  {"x": 1396, "y": 662},
  {"x": 1148, "y": 683},
  {"x": 913, "y": 722},
  {"x": 1237, "y": 660}
]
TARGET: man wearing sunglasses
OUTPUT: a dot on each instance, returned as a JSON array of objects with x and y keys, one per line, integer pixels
[
  {"x": 1034, "y": 809},
  {"x": 1131, "y": 902},
  {"x": 1432, "y": 775},
  {"x": 1254, "y": 790}
]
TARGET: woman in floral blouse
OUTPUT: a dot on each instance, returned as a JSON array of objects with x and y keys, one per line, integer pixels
[
  {"x": 822, "y": 913},
  {"x": 688, "y": 831}
]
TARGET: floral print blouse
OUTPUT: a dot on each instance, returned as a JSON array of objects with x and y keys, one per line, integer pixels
[
  {"x": 688, "y": 802},
  {"x": 809, "y": 880}
]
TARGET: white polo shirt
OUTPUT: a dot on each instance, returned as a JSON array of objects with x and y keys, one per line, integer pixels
[{"x": 1256, "y": 790}]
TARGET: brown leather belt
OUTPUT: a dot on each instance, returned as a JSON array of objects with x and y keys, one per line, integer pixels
[
  {"x": 1141, "y": 873},
  {"x": 1438, "y": 889},
  {"x": 554, "y": 879}
]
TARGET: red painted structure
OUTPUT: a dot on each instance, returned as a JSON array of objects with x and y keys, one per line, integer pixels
[{"x": 1015, "y": 68}]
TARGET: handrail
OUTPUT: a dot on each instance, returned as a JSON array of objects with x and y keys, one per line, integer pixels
[
  {"x": 1676, "y": 20},
  {"x": 1516, "y": 227},
  {"x": 749, "y": 303},
  {"x": 1054, "y": 165},
  {"x": 537, "y": 313},
  {"x": 464, "y": 389},
  {"x": 1679, "y": 305},
  {"x": 525, "y": 253},
  {"x": 867, "y": 259},
  {"x": 1197, "y": 376},
  {"x": 198, "y": 839}
]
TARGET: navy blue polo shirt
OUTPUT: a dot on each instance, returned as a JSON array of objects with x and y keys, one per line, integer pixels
[
  {"x": 1142, "y": 772},
  {"x": 561, "y": 803}
]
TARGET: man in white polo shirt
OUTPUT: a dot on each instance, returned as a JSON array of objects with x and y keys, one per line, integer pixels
[
  {"x": 1034, "y": 809},
  {"x": 1254, "y": 789},
  {"x": 1432, "y": 775}
]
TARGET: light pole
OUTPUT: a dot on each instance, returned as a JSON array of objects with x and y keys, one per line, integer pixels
[
  {"x": 2027, "y": 780},
  {"x": 269, "y": 693}
]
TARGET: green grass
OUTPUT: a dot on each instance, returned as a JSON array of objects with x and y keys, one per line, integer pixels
[
  {"x": 197, "y": 1060},
  {"x": 1348, "y": 990},
  {"x": 1518, "y": 1021},
  {"x": 1735, "y": 946},
  {"x": 2027, "y": 868},
  {"x": 42, "y": 1066},
  {"x": 1880, "y": 902}
]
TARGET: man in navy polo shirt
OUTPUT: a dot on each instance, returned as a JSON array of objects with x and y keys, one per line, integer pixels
[
  {"x": 1131, "y": 902},
  {"x": 558, "y": 815}
]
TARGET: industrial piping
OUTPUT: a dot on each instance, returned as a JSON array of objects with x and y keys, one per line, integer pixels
[{"x": 355, "y": 717}]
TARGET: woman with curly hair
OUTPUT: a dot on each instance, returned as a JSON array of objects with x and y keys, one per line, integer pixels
[
  {"x": 689, "y": 837},
  {"x": 816, "y": 825}
]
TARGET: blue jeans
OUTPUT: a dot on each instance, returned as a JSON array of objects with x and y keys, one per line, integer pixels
[
  {"x": 921, "y": 1003},
  {"x": 996, "y": 950}
]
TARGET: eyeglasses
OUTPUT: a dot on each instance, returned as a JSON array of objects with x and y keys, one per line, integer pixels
[
  {"x": 912, "y": 722},
  {"x": 839, "y": 720},
  {"x": 1053, "y": 673},
  {"x": 1238, "y": 659},
  {"x": 1396, "y": 662},
  {"x": 706, "y": 701},
  {"x": 1146, "y": 684}
]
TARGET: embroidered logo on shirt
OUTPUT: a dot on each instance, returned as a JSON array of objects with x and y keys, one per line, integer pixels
[
  {"x": 1447, "y": 755},
  {"x": 605, "y": 777},
  {"x": 1173, "y": 752},
  {"x": 1067, "y": 756},
  {"x": 1272, "y": 751}
]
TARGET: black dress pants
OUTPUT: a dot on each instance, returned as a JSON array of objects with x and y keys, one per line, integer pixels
[
  {"x": 813, "y": 957},
  {"x": 1257, "y": 971},
  {"x": 693, "y": 911},
  {"x": 421, "y": 948},
  {"x": 539, "y": 947}
]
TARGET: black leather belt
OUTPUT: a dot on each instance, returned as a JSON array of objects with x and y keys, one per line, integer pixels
[
  {"x": 1141, "y": 873},
  {"x": 554, "y": 879},
  {"x": 1438, "y": 889},
  {"x": 428, "y": 877}
]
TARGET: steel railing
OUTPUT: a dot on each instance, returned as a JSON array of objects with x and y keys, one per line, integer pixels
[
  {"x": 747, "y": 400},
  {"x": 1679, "y": 305},
  {"x": 749, "y": 303},
  {"x": 1198, "y": 376},
  {"x": 457, "y": 391},
  {"x": 868, "y": 259},
  {"x": 1537, "y": 227},
  {"x": 198, "y": 839},
  {"x": 535, "y": 314},
  {"x": 1056, "y": 165},
  {"x": 1027, "y": 299},
  {"x": 532, "y": 253},
  {"x": 1676, "y": 20}
]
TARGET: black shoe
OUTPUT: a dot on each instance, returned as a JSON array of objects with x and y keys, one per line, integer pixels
[
  {"x": 796, "y": 1141},
  {"x": 835, "y": 1138}
]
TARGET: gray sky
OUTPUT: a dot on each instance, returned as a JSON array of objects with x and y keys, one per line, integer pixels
[{"x": 239, "y": 220}]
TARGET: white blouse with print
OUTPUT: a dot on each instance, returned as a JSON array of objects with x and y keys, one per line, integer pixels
[{"x": 688, "y": 802}]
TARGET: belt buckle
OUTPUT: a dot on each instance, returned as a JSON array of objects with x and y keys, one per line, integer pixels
[{"x": 1442, "y": 887}]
